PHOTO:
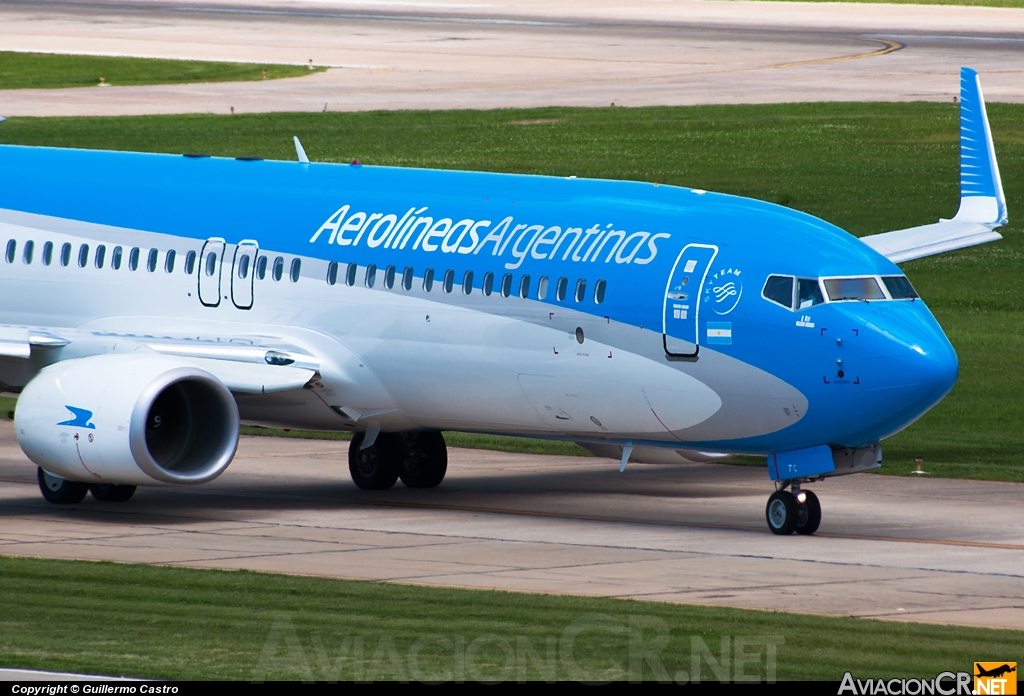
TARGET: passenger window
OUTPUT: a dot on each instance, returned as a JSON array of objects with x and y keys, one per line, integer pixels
[
  {"x": 151, "y": 261},
  {"x": 278, "y": 270},
  {"x": 133, "y": 258},
  {"x": 449, "y": 280},
  {"x": 261, "y": 267},
  {"x": 853, "y": 289},
  {"x": 524, "y": 286},
  {"x": 428, "y": 280},
  {"x": 542, "y": 288},
  {"x": 560, "y": 288},
  {"x": 506, "y": 285},
  {"x": 407, "y": 278},
  {"x": 115, "y": 258},
  {"x": 26, "y": 256},
  {"x": 332, "y": 273},
  {"x": 467, "y": 283},
  {"x": 488, "y": 284},
  {"x": 899, "y": 288},
  {"x": 48, "y": 253},
  {"x": 350, "y": 275},
  {"x": 599, "y": 290},
  {"x": 172, "y": 254},
  {"x": 581, "y": 289},
  {"x": 389, "y": 277},
  {"x": 779, "y": 289},
  {"x": 808, "y": 293},
  {"x": 101, "y": 256},
  {"x": 296, "y": 270},
  {"x": 12, "y": 249},
  {"x": 83, "y": 255},
  {"x": 371, "y": 275}
]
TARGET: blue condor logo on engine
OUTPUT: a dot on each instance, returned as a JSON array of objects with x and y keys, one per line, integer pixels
[
  {"x": 80, "y": 418},
  {"x": 466, "y": 236}
]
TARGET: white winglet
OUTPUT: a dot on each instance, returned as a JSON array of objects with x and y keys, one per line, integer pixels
[
  {"x": 982, "y": 203},
  {"x": 299, "y": 151}
]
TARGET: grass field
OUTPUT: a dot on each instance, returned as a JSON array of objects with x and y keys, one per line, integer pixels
[
  {"x": 53, "y": 70},
  {"x": 866, "y": 167},
  {"x": 200, "y": 624}
]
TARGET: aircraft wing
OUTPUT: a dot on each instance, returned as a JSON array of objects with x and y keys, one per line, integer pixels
[
  {"x": 982, "y": 203},
  {"x": 245, "y": 364}
]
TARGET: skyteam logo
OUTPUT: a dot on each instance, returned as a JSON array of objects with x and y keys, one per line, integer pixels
[
  {"x": 80, "y": 419},
  {"x": 723, "y": 290}
]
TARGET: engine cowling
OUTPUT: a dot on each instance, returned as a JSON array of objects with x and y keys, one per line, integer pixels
[{"x": 128, "y": 419}]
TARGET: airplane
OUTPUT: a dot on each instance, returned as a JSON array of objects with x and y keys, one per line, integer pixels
[
  {"x": 153, "y": 302},
  {"x": 995, "y": 671}
]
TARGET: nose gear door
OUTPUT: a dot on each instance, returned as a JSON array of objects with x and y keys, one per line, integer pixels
[
  {"x": 211, "y": 260},
  {"x": 681, "y": 311}
]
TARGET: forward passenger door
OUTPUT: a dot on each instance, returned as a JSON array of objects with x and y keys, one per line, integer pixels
[{"x": 681, "y": 310}]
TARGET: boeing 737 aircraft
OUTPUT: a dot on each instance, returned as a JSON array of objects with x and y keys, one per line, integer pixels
[{"x": 152, "y": 302}]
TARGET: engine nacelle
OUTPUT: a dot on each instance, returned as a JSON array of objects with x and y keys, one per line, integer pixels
[{"x": 128, "y": 419}]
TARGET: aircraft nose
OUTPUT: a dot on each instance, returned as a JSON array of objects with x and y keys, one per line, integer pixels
[{"x": 915, "y": 362}]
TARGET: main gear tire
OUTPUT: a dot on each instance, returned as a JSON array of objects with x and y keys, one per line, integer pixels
[
  {"x": 375, "y": 468},
  {"x": 60, "y": 491},
  {"x": 111, "y": 493},
  {"x": 425, "y": 459}
]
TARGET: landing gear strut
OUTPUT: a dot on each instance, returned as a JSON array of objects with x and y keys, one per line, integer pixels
[
  {"x": 791, "y": 511},
  {"x": 419, "y": 459}
]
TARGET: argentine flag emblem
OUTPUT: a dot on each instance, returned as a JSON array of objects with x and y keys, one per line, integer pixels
[{"x": 720, "y": 333}]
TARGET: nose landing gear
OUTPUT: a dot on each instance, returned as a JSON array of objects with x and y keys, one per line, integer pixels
[{"x": 794, "y": 510}]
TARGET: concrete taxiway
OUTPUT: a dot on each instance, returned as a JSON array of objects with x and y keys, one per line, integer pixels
[
  {"x": 926, "y": 550},
  {"x": 481, "y": 54}
]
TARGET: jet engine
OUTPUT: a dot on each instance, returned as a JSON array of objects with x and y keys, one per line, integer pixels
[{"x": 128, "y": 420}]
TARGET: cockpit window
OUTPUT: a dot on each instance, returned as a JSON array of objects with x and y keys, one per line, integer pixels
[
  {"x": 852, "y": 289},
  {"x": 779, "y": 289},
  {"x": 899, "y": 288},
  {"x": 808, "y": 293}
]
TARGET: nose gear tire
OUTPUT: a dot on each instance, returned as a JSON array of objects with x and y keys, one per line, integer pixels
[
  {"x": 781, "y": 513},
  {"x": 808, "y": 515}
]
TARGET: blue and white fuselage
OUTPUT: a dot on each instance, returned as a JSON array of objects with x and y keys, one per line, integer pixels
[{"x": 609, "y": 313}]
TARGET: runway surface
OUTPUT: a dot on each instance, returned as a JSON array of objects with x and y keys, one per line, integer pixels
[
  {"x": 481, "y": 54},
  {"x": 936, "y": 551}
]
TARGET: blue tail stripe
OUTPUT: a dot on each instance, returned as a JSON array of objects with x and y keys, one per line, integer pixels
[{"x": 977, "y": 177}]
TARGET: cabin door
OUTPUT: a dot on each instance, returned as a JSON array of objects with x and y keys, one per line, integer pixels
[
  {"x": 211, "y": 259},
  {"x": 681, "y": 310},
  {"x": 243, "y": 273}
]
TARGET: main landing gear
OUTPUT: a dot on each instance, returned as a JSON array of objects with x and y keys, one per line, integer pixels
[
  {"x": 419, "y": 459},
  {"x": 794, "y": 510},
  {"x": 63, "y": 492}
]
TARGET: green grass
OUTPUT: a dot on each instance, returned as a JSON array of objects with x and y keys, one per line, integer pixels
[
  {"x": 205, "y": 624},
  {"x": 52, "y": 70},
  {"x": 866, "y": 167}
]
